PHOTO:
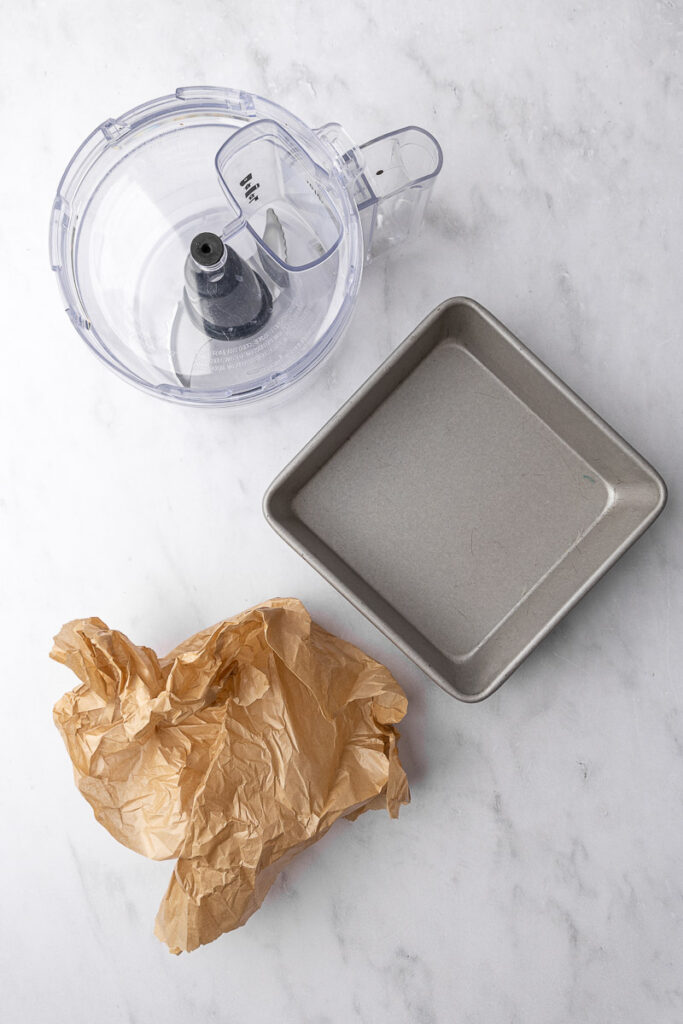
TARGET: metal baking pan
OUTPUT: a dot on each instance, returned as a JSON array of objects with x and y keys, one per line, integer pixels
[{"x": 464, "y": 499}]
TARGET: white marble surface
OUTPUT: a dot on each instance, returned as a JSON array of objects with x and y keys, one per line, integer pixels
[{"x": 537, "y": 877}]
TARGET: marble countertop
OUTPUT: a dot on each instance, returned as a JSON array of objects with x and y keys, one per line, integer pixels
[{"x": 537, "y": 876}]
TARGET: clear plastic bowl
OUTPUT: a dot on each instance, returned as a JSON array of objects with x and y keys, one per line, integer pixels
[{"x": 280, "y": 209}]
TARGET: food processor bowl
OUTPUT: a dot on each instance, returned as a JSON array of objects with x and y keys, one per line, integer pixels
[{"x": 209, "y": 246}]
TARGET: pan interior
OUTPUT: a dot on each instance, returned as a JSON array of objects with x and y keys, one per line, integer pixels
[{"x": 453, "y": 499}]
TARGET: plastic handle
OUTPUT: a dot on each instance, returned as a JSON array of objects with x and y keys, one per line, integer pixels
[{"x": 391, "y": 179}]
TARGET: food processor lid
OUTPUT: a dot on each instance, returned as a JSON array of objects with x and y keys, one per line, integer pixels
[{"x": 209, "y": 245}]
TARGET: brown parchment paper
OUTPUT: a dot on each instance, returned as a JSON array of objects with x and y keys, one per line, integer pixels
[{"x": 234, "y": 752}]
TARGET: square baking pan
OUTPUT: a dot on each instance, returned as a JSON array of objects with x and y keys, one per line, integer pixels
[{"x": 464, "y": 499}]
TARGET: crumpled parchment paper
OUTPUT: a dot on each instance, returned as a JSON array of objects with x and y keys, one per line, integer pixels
[{"x": 232, "y": 753}]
